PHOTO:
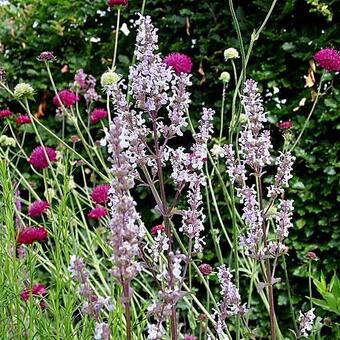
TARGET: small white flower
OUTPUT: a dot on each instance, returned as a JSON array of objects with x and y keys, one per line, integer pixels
[
  {"x": 109, "y": 78},
  {"x": 225, "y": 77},
  {"x": 217, "y": 151},
  {"x": 23, "y": 90},
  {"x": 231, "y": 53}
]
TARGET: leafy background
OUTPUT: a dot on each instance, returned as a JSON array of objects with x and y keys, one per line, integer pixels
[{"x": 81, "y": 34}]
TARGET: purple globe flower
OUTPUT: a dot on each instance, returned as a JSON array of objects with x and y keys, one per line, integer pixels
[
  {"x": 181, "y": 63},
  {"x": 46, "y": 56},
  {"x": 328, "y": 59}
]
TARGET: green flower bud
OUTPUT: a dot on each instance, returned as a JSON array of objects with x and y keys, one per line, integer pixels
[
  {"x": 23, "y": 90},
  {"x": 225, "y": 77},
  {"x": 7, "y": 141},
  {"x": 243, "y": 118},
  {"x": 109, "y": 78},
  {"x": 231, "y": 53}
]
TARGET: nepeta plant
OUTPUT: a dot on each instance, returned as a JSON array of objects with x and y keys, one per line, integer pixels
[
  {"x": 247, "y": 165},
  {"x": 139, "y": 141}
]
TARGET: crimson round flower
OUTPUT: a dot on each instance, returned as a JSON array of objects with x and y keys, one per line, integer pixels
[
  {"x": 97, "y": 115},
  {"x": 67, "y": 98},
  {"x": 100, "y": 193},
  {"x": 5, "y": 113},
  {"x": 328, "y": 58},
  {"x": 30, "y": 235},
  {"x": 38, "y": 289},
  {"x": 205, "y": 269},
  {"x": 179, "y": 62},
  {"x": 38, "y": 157},
  {"x": 157, "y": 228},
  {"x": 285, "y": 125},
  {"x": 23, "y": 119},
  {"x": 97, "y": 213},
  {"x": 112, "y": 3},
  {"x": 38, "y": 208}
]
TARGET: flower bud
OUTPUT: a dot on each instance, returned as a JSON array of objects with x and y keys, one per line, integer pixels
[
  {"x": 109, "y": 78},
  {"x": 7, "y": 141},
  {"x": 113, "y": 3},
  {"x": 217, "y": 151},
  {"x": 225, "y": 77},
  {"x": 205, "y": 269},
  {"x": 243, "y": 118},
  {"x": 47, "y": 56},
  {"x": 312, "y": 256},
  {"x": 231, "y": 53},
  {"x": 23, "y": 90}
]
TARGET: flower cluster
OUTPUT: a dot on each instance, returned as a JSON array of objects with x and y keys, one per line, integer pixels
[
  {"x": 86, "y": 83},
  {"x": 125, "y": 232},
  {"x": 93, "y": 304},
  {"x": 253, "y": 218},
  {"x": 231, "y": 300},
  {"x": 23, "y": 91},
  {"x": 113, "y": 3},
  {"x": 38, "y": 291},
  {"x": 29, "y": 235},
  {"x": 329, "y": 59},
  {"x": 138, "y": 142},
  {"x": 46, "y": 56},
  {"x": 41, "y": 157},
  {"x": 255, "y": 147},
  {"x": 65, "y": 98},
  {"x": 255, "y": 142},
  {"x": 5, "y": 113},
  {"x": 99, "y": 193},
  {"x": 205, "y": 269},
  {"x": 37, "y": 208},
  {"x": 284, "y": 164},
  {"x": 181, "y": 63},
  {"x": 109, "y": 78},
  {"x": 97, "y": 213},
  {"x": 168, "y": 296},
  {"x": 306, "y": 321},
  {"x": 23, "y": 119},
  {"x": 97, "y": 115}
]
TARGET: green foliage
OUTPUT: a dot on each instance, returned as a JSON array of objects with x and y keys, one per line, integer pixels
[{"x": 330, "y": 294}]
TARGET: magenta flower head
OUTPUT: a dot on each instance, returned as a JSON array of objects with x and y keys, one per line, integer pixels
[
  {"x": 30, "y": 235},
  {"x": 37, "y": 208},
  {"x": 285, "y": 125},
  {"x": 99, "y": 193},
  {"x": 38, "y": 289},
  {"x": 157, "y": 229},
  {"x": 5, "y": 113},
  {"x": 190, "y": 337},
  {"x": 205, "y": 269},
  {"x": 67, "y": 98},
  {"x": 97, "y": 115},
  {"x": 181, "y": 63},
  {"x": 329, "y": 59},
  {"x": 23, "y": 119},
  {"x": 113, "y": 3},
  {"x": 97, "y": 213},
  {"x": 38, "y": 157},
  {"x": 47, "y": 56}
]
